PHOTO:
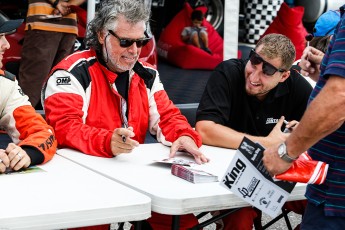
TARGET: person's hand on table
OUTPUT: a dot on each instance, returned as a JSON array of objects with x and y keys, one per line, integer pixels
[
  {"x": 121, "y": 141},
  {"x": 310, "y": 62},
  {"x": 186, "y": 143},
  {"x": 273, "y": 163},
  {"x": 14, "y": 157}
]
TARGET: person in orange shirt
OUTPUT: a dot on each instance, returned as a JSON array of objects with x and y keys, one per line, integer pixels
[
  {"x": 33, "y": 140},
  {"x": 50, "y": 34}
]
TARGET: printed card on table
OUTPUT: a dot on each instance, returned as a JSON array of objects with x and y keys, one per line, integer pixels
[
  {"x": 192, "y": 174},
  {"x": 247, "y": 178},
  {"x": 177, "y": 161}
]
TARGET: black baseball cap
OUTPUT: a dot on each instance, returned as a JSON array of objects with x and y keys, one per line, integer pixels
[{"x": 8, "y": 26}]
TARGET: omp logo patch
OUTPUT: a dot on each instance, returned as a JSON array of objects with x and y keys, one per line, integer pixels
[{"x": 63, "y": 81}]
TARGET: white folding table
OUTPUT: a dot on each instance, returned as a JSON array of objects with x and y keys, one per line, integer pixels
[
  {"x": 169, "y": 194},
  {"x": 67, "y": 195}
]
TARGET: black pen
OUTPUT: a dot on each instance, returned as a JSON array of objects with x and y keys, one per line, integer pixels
[{"x": 124, "y": 136}]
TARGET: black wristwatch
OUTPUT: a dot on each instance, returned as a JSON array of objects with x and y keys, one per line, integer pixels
[
  {"x": 283, "y": 154},
  {"x": 55, "y": 3}
]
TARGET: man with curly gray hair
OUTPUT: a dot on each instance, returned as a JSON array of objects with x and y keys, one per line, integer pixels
[
  {"x": 107, "y": 99},
  {"x": 107, "y": 16}
]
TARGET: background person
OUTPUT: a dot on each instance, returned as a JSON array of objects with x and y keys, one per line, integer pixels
[
  {"x": 33, "y": 140},
  {"x": 102, "y": 101},
  {"x": 322, "y": 33},
  {"x": 196, "y": 34},
  {"x": 251, "y": 98},
  {"x": 321, "y": 133},
  {"x": 46, "y": 42}
]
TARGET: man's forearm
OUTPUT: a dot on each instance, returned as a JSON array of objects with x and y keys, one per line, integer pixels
[
  {"x": 222, "y": 136},
  {"x": 324, "y": 115}
]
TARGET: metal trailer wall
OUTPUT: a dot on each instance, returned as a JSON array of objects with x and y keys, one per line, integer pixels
[{"x": 231, "y": 20}]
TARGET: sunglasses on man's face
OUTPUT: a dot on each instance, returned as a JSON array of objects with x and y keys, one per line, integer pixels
[
  {"x": 124, "y": 43},
  {"x": 267, "y": 68}
]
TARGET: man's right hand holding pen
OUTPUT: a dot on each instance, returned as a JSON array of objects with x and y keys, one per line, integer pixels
[
  {"x": 290, "y": 126},
  {"x": 277, "y": 136},
  {"x": 122, "y": 142}
]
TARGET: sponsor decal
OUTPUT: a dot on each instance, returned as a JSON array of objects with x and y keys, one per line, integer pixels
[
  {"x": 271, "y": 120},
  {"x": 63, "y": 81},
  {"x": 21, "y": 92},
  {"x": 280, "y": 199},
  {"x": 248, "y": 192},
  {"x": 48, "y": 143},
  {"x": 231, "y": 177},
  {"x": 247, "y": 147},
  {"x": 263, "y": 201},
  {"x": 250, "y": 150}
]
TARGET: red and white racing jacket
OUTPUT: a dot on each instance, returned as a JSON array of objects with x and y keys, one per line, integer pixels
[
  {"x": 81, "y": 102},
  {"x": 19, "y": 119}
]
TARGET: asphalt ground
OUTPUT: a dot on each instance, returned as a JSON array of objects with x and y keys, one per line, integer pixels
[{"x": 279, "y": 225}]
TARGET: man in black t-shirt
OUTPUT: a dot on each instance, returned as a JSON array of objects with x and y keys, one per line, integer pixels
[{"x": 252, "y": 98}]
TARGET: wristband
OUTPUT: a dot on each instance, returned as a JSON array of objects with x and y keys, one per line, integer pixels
[{"x": 55, "y": 3}]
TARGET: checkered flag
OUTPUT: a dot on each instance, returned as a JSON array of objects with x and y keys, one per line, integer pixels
[{"x": 259, "y": 14}]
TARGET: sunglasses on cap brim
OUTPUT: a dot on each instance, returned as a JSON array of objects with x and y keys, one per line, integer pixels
[
  {"x": 267, "y": 68},
  {"x": 124, "y": 43}
]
